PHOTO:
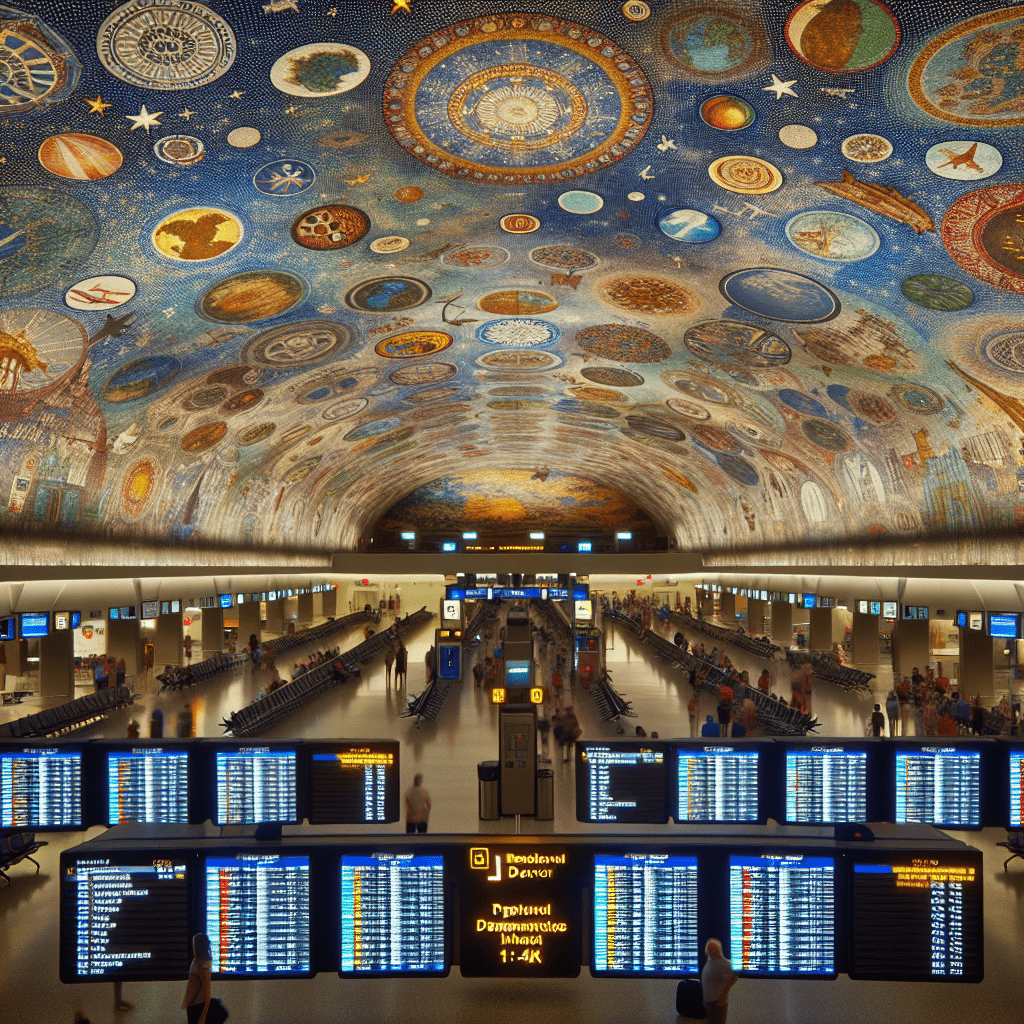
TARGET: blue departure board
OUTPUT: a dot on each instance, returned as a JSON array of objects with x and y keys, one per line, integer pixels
[
  {"x": 125, "y": 920},
  {"x": 41, "y": 788},
  {"x": 645, "y": 914},
  {"x": 625, "y": 782},
  {"x": 257, "y": 914},
  {"x": 826, "y": 785},
  {"x": 717, "y": 784},
  {"x": 938, "y": 786},
  {"x": 782, "y": 914},
  {"x": 392, "y": 914},
  {"x": 354, "y": 783},
  {"x": 147, "y": 785},
  {"x": 255, "y": 785},
  {"x": 917, "y": 918},
  {"x": 1016, "y": 788}
]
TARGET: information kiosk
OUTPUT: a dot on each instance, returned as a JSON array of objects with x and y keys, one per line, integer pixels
[{"x": 517, "y": 751}]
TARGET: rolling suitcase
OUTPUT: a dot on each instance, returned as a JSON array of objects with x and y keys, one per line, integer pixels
[{"x": 690, "y": 999}]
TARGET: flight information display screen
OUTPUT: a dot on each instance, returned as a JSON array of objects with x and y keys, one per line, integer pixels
[
  {"x": 917, "y": 918},
  {"x": 1016, "y": 788},
  {"x": 826, "y": 785},
  {"x": 125, "y": 920},
  {"x": 257, "y": 914},
  {"x": 645, "y": 914},
  {"x": 938, "y": 786},
  {"x": 352, "y": 784},
  {"x": 625, "y": 782},
  {"x": 254, "y": 785},
  {"x": 41, "y": 788},
  {"x": 782, "y": 914},
  {"x": 147, "y": 785},
  {"x": 392, "y": 914},
  {"x": 717, "y": 784}
]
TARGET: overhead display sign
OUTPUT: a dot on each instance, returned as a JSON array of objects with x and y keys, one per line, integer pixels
[
  {"x": 452, "y": 610},
  {"x": 506, "y": 593}
]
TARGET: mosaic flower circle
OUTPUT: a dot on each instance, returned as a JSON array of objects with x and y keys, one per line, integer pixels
[
  {"x": 1006, "y": 351},
  {"x": 714, "y": 44},
  {"x": 519, "y": 360},
  {"x": 300, "y": 344},
  {"x": 138, "y": 486},
  {"x": 197, "y": 234},
  {"x": 653, "y": 296},
  {"x": 471, "y": 257},
  {"x": 518, "y": 333},
  {"x": 424, "y": 373},
  {"x": 934, "y": 291},
  {"x": 329, "y": 227},
  {"x": 622, "y": 343},
  {"x": 832, "y": 236},
  {"x": 747, "y": 175},
  {"x": 517, "y": 98},
  {"x": 564, "y": 257},
  {"x": 918, "y": 398},
  {"x": 413, "y": 344}
]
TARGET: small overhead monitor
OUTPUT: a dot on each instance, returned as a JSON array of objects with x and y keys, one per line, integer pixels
[
  {"x": 810, "y": 600},
  {"x": 8, "y": 628},
  {"x": 451, "y": 610},
  {"x": 41, "y": 787},
  {"x": 794, "y": 598},
  {"x": 62, "y": 620},
  {"x": 890, "y": 608},
  {"x": 584, "y": 611},
  {"x": 764, "y": 595},
  {"x": 224, "y": 600},
  {"x": 449, "y": 545},
  {"x": 584, "y": 546},
  {"x": 1003, "y": 625},
  {"x": 917, "y": 613},
  {"x": 976, "y": 620},
  {"x": 271, "y": 595},
  {"x": 240, "y": 598},
  {"x": 961, "y": 619},
  {"x": 876, "y": 607},
  {"x": 150, "y": 609},
  {"x": 34, "y": 625},
  {"x": 408, "y": 535},
  {"x": 862, "y": 607},
  {"x": 625, "y": 782}
]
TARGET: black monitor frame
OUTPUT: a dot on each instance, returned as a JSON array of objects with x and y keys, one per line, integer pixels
[
  {"x": 764, "y": 749},
  {"x": 583, "y": 776},
  {"x": 79, "y": 747},
  {"x": 393, "y": 796}
]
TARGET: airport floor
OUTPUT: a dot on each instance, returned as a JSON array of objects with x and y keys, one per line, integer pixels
[{"x": 447, "y": 753}]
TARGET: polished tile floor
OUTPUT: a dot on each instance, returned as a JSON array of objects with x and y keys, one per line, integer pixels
[{"x": 447, "y": 754}]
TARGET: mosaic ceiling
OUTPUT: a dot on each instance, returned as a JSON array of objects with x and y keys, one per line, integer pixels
[{"x": 268, "y": 269}]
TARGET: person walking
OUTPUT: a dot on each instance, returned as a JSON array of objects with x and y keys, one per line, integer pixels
[
  {"x": 877, "y": 721},
  {"x": 196, "y": 1003},
  {"x": 417, "y": 805},
  {"x": 401, "y": 664},
  {"x": 389, "y": 661},
  {"x": 692, "y": 711},
  {"x": 892, "y": 710},
  {"x": 716, "y": 979}
]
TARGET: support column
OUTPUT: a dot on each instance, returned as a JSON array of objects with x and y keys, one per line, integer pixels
[
  {"x": 977, "y": 663},
  {"x": 318, "y": 605},
  {"x": 865, "y": 639},
  {"x": 212, "y": 632},
  {"x": 275, "y": 616},
  {"x": 782, "y": 623},
  {"x": 124, "y": 640},
  {"x": 330, "y": 605},
  {"x": 707, "y": 605},
  {"x": 729, "y": 609},
  {"x": 820, "y": 629},
  {"x": 57, "y": 664},
  {"x": 755, "y": 616},
  {"x": 248, "y": 622},
  {"x": 305, "y": 609},
  {"x": 912, "y": 646},
  {"x": 14, "y": 650},
  {"x": 167, "y": 645}
]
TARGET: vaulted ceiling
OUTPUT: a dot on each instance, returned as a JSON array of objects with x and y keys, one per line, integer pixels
[{"x": 755, "y": 271}]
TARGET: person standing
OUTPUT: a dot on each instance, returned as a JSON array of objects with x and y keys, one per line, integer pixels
[
  {"x": 389, "y": 661},
  {"x": 401, "y": 664},
  {"x": 892, "y": 710},
  {"x": 877, "y": 721},
  {"x": 716, "y": 979},
  {"x": 196, "y": 1003},
  {"x": 417, "y": 805},
  {"x": 692, "y": 710}
]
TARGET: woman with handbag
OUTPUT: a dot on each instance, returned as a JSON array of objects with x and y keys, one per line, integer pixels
[{"x": 198, "y": 1004}]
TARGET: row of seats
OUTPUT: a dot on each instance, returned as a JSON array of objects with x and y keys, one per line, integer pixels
[
  {"x": 554, "y": 620},
  {"x": 72, "y": 715},
  {"x": 611, "y": 705},
  {"x": 16, "y": 846},
  {"x": 473, "y": 633},
  {"x": 180, "y": 677},
  {"x": 429, "y": 702},
  {"x": 314, "y": 633},
  {"x": 760, "y": 646},
  {"x": 828, "y": 669}
]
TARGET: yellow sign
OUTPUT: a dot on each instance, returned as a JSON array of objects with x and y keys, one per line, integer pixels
[
  {"x": 498, "y": 695},
  {"x": 536, "y": 694}
]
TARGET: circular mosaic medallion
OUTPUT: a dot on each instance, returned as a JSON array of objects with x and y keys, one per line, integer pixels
[
  {"x": 137, "y": 487},
  {"x": 984, "y": 232},
  {"x": 918, "y": 398},
  {"x": 44, "y": 233},
  {"x": 182, "y": 150},
  {"x": 518, "y": 302},
  {"x": 373, "y": 428},
  {"x": 329, "y": 227},
  {"x": 727, "y": 113},
  {"x": 714, "y": 44},
  {"x": 387, "y": 294},
  {"x": 244, "y": 137},
  {"x": 702, "y": 388},
  {"x": 423, "y": 373},
  {"x": 871, "y": 408},
  {"x": 933, "y": 291},
  {"x": 413, "y": 344},
  {"x": 40, "y": 69},
  {"x": 242, "y": 401},
  {"x": 166, "y": 44},
  {"x": 470, "y": 257},
  {"x": 320, "y": 69},
  {"x": 79, "y": 157},
  {"x": 653, "y": 427},
  {"x": 747, "y": 175},
  {"x": 344, "y": 410},
  {"x": 289, "y": 177},
  {"x": 798, "y": 136},
  {"x": 802, "y": 403},
  {"x": 963, "y": 160},
  {"x": 689, "y": 226},
  {"x": 443, "y": 393},
  {"x": 623, "y": 343},
  {"x": 108, "y": 291},
  {"x": 589, "y": 394},
  {"x": 564, "y": 257},
  {"x": 197, "y": 234},
  {"x": 780, "y": 295},
  {"x": 39, "y": 348},
  {"x": 1006, "y": 351},
  {"x": 971, "y": 73},
  {"x": 636, "y": 10},
  {"x": 842, "y": 35},
  {"x": 734, "y": 345},
  {"x": 517, "y": 98},
  {"x": 301, "y": 470},
  {"x": 866, "y": 148},
  {"x": 389, "y": 244},
  {"x": 714, "y": 439},
  {"x": 236, "y": 376},
  {"x": 519, "y": 360},
  {"x": 691, "y": 410},
  {"x": 518, "y": 333},
  {"x": 826, "y": 435},
  {"x": 519, "y": 224},
  {"x": 580, "y": 202},
  {"x": 204, "y": 397},
  {"x": 832, "y": 236},
  {"x": 140, "y": 378},
  {"x": 612, "y": 376},
  {"x": 203, "y": 437},
  {"x": 649, "y": 295},
  {"x": 252, "y": 296},
  {"x": 320, "y": 387},
  {"x": 738, "y": 468},
  {"x": 302, "y": 344}
]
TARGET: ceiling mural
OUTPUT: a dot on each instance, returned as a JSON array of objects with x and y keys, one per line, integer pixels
[{"x": 268, "y": 270}]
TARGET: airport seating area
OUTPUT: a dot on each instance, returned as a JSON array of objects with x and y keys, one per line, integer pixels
[
  {"x": 760, "y": 646},
  {"x": 611, "y": 705},
  {"x": 56, "y": 721},
  {"x": 827, "y": 669},
  {"x": 16, "y": 846}
]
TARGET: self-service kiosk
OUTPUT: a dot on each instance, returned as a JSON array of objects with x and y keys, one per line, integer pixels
[{"x": 517, "y": 752}]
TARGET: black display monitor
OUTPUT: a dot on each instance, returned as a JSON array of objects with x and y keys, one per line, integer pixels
[
  {"x": 782, "y": 914},
  {"x": 1003, "y": 625},
  {"x": 916, "y": 916},
  {"x": 125, "y": 916},
  {"x": 8, "y": 628},
  {"x": 645, "y": 915},
  {"x": 1016, "y": 805},
  {"x": 257, "y": 914},
  {"x": 936, "y": 784},
  {"x": 41, "y": 787},
  {"x": 826, "y": 783},
  {"x": 224, "y": 600},
  {"x": 623, "y": 782},
  {"x": 353, "y": 782},
  {"x": 34, "y": 625},
  {"x": 256, "y": 784},
  {"x": 150, "y": 609},
  {"x": 717, "y": 782},
  {"x": 147, "y": 783},
  {"x": 393, "y": 915}
]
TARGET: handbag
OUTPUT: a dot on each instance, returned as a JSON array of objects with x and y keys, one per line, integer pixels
[{"x": 217, "y": 1013}]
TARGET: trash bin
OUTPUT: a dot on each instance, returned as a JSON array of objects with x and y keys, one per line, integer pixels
[
  {"x": 545, "y": 794},
  {"x": 156, "y": 724},
  {"x": 488, "y": 774}
]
